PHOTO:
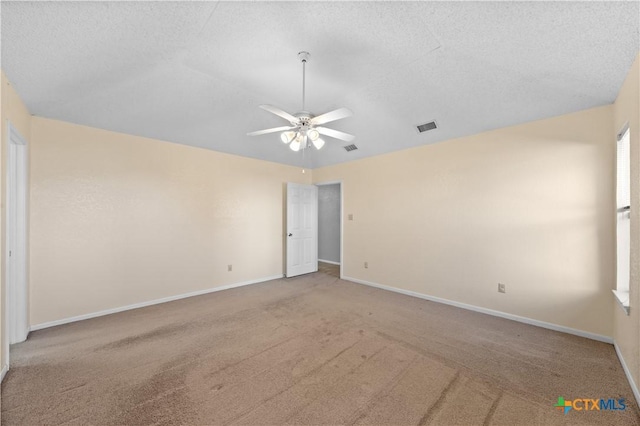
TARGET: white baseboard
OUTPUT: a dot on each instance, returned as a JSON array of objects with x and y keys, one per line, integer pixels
[
  {"x": 5, "y": 370},
  {"x": 149, "y": 303},
  {"x": 329, "y": 261},
  {"x": 543, "y": 324},
  {"x": 627, "y": 373}
]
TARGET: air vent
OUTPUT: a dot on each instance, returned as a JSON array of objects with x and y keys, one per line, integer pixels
[
  {"x": 351, "y": 147},
  {"x": 427, "y": 126}
]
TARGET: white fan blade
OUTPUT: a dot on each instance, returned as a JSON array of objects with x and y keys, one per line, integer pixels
[
  {"x": 335, "y": 134},
  {"x": 334, "y": 115},
  {"x": 277, "y": 111},
  {"x": 272, "y": 130}
]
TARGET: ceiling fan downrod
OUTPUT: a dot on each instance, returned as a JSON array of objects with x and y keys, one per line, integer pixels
[{"x": 304, "y": 57}]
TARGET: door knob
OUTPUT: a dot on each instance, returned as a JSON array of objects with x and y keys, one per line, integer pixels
[{"x": 290, "y": 234}]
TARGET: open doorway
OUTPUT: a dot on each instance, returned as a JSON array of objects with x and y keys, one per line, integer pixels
[{"x": 330, "y": 228}]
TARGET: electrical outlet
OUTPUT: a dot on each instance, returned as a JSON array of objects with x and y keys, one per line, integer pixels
[
  {"x": 366, "y": 265},
  {"x": 502, "y": 288},
  {"x": 229, "y": 268},
  {"x": 350, "y": 216}
]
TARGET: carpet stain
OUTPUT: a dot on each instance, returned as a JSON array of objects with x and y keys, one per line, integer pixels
[
  {"x": 74, "y": 387},
  {"x": 161, "y": 398},
  {"x": 433, "y": 410},
  {"x": 158, "y": 333},
  {"x": 492, "y": 410}
]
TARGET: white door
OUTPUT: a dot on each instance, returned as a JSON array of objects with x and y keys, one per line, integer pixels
[
  {"x": 302, "y": 229},
  {"x": 16, "y": 225}
]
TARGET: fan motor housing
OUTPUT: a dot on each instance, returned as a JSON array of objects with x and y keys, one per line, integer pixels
[{"x": 303, "y": 118}]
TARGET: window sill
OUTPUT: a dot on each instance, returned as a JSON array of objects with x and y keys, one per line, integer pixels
[{"x": 623, "y": 300}]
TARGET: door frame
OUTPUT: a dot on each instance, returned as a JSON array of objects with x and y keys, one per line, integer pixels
[
  {"x": 341, "y": 183},
  {"x": 16, "y": 302}
]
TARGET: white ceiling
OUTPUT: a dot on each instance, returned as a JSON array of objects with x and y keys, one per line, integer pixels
[{"x": 195, "y": 72}]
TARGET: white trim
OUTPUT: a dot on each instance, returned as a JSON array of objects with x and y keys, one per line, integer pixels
[
  {"x": 329, "y": 261},
  {"x": 150, "y": 302},
  {"x": 5, "y": 370},
  {"x": 330, "y": 182},
  {"x": 530, "y": 321},
  {"x": 627, "y": 373},
  {"x": 622, "y": 297}
]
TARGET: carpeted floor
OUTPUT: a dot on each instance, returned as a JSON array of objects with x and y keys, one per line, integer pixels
[
  {"x": 329, "y": 269},
  {"x": 308, "y": 350}
]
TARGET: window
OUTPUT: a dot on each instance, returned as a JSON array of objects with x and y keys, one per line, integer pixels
[{"x": 623, "y": 217}]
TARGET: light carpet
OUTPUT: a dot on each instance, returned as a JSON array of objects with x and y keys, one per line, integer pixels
[{"x": 308, "y": 350}]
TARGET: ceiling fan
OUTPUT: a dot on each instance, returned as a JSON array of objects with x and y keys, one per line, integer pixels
[{"x": 304, "y": 128}]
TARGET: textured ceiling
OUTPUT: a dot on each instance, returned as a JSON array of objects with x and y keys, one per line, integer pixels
[{"x": 195, "y": 72}]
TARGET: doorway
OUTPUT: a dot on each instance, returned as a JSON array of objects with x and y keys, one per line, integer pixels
[
  {"x": 330, "y": 228},
  {"x": 16, "y": 241}
]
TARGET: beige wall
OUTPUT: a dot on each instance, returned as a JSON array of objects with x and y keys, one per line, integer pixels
[
  {"x": 529, "y": 206},
  {"x": 12, "y": 109},
  {"x": 627, "y": 328},
  {"x": 118, "y": 219}
]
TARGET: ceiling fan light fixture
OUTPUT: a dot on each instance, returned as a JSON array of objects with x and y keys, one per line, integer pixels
[
  {"x": 318, "y": 143},
  {"x": 287, "y": 137},
  {"x": 313, "y": 134},
  {"x": 295, "y": 145}
]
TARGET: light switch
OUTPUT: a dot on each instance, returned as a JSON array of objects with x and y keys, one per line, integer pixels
[{"x": 350, "y": 216}]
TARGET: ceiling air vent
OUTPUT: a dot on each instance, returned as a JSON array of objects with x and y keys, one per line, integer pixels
[
  {"x": 351, "y": 147},
  {"x": 427, "y": 126}
]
